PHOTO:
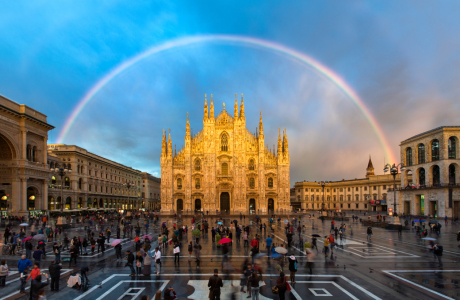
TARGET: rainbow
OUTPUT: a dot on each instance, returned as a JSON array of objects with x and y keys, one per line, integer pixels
[{"x": 238, "y": 40}]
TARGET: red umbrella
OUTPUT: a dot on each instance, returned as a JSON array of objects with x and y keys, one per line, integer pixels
[
  {"x": 27, "y": 238},
  {"x": 225, "y": 241}
]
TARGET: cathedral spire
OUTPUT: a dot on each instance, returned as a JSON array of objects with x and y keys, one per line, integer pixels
[
  {"x": 236, "y": 107},
  {"x": 280, "y": 145},
  {"x": 187, "y": 128},
  {"x": 212, "y": 109},
  {"x": 206, "y": 112},
  {"x": 169, "y": 144},
  {"x": 163, "y": 144},
  {"x": 285, "y": 142},
  {"x": 261, "y": 125},
  {"x": 242, "y": 107}
]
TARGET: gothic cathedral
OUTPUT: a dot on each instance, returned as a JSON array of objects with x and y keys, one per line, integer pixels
[{"x": 225, "y": 168}]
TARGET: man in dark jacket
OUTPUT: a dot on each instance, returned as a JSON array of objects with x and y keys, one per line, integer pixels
[
  {"x": 37, "y": 285},
  {"x": 214, "y": 284},
  {"x": 55, "y": 273},
  {"x": 437, "y": 249},
  {"x": 130, "y": 262}
]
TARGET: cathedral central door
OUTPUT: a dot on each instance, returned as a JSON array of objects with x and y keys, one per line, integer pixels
[{"x": 224, "y": 202}]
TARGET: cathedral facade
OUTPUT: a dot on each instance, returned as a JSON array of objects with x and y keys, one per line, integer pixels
[{"x": 225, "y": 168}]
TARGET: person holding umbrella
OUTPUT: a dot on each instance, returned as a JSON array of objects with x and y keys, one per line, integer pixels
[{"x": 292, "y": 267}]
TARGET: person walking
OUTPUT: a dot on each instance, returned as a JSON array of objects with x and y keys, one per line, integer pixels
[
  {"x": 129, "y": 262},
  {"x": 197, "y": 248},
  {"x": 23, "y": 265},
  {"x": 37, "y": 256},
  {"x": 292, "y": 267},
  {"x": 55, "y": 274},
  {"x": 254, "y": 283},
  {"x": 310, "y": 259},
  {"x": 245, "y": 239},
  {"x": 268, "y": 242},
  {"x": 438, "y": 252},
  {"x": 37, "y": 286},
  {"x": 190, "y": 251},
  {"x": 369, "y": 233},
  {"x": 214, "y": 284},
  {"x": 176, "y": 251},
  {"x": 57, "y": 254},
  {"x": 147, "y": 264},
  {"x": 139, "y": 261},
  {"x": 157, "y": 260},
  {"x": 118, "y": 251},
  {"x": 3, "y": 272},
  {"x": 29, "y": 248},
  {"x": 92, "y": 241},
  {"x": 73, "y": 255},
  {"x": 85, "y": 245},
  {"x": 281, "y": 283}
]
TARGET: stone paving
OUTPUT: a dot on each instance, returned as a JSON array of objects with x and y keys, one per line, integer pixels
[{"x": 386, "y": 267}]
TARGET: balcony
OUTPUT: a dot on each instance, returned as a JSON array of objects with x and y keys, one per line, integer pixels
[{"x": 427, "y": 187}]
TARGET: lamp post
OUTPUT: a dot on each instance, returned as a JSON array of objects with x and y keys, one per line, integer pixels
[
  {"x": 61, "y": 172},
  {"x": 128, "y": 185},
  {"x": 323, "y": 184},
  {"x": 394, "y": 170}
]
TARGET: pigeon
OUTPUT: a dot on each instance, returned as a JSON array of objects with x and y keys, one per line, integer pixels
[
  {"x": 370, "y": 270},
  {"x": 100, "y": 285},
  {"x": 344, "y": 267}
]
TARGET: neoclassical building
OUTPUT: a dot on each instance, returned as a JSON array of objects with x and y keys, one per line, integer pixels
[
  {"x": 23, "y": 159},
  {"x": 95, "y": 183},
  {"x": 365, "y": 193},
  {"x": 430, "y": 182},
  {"x": 225, "y": 167}
]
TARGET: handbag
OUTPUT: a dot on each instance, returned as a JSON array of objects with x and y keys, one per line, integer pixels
[
  {"x": 138, "y": 264},
  {"x": 275, "y": 290},
  {"x": 288, "y": 286}
]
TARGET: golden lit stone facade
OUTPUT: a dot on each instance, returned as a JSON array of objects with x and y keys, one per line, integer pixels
[
  {"x": 225, "y": 168},
  {"x": 369, "y": 193},
  {"x": 23, "y": 161}
]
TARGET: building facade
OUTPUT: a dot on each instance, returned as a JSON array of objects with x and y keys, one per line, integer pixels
[
  {"x": 430, "y": 182},
  {"x": 151, "y": 191},
  {"x": 369, "y": 193},
  {"x": 23, "y": 164},
  {"x": 225, "y": 167},
  {"x": 94, "y": 183}
]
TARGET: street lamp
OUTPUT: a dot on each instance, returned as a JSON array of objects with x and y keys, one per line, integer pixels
[
  {"x": 128, "y": 185},
  {"x": 394, "y": 170},
  {"x": 323, "y": 184},
  {"x": 61, "y": 172}
]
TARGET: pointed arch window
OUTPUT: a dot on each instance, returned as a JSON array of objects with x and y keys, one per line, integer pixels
[
  {"x": 224, "y": 169},
  {"x": 252, "y": 165},
  {"x": 252, "y": 183},
  {"x": 224, "y": 143},
  {"x": 179, "y": 183},
  {"x": 197, "y": 164},
  {"x": 270, "y": 182},
  {"x": 197, "y": 183},
  {"x": 435, "y": 150},
  {"x": 421, "y": 153},
  {"x": 452, "y": 148}
]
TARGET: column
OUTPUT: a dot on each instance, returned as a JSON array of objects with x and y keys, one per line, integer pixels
[
  {"x": 45, "y": 152},
  {"x": 24, "y": 144},
  {"x": 15, "y": 196},
  {"x": 43, "y": 205},
  {"x": 22, "y": 207}
]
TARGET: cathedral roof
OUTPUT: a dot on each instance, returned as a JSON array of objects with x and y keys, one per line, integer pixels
[{"x": 224, "y": 118}]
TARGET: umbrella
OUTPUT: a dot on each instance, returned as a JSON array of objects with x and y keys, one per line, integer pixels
[
  {"x": 39, "y": 237},
  {"x": 26, "y": 239},
  {"x": 147, "y": 236},
  {"x": 286, "y": 221},
  {"x": 429, "y": 239},
  {"x": 225, "y": 241},
  {"x": 433, "y": 222},
  {"x": 281, "y": 250},
  {"x": 316, "y": 235},
  {"x": 116, "y": 242},
  {"x": 220, "y": 223},
  {"x": 196, "y": 232},
  {"x": 24, "y": 224},
  {"x": 416, "y": 220},
  {"x": 422, "y": 221}
]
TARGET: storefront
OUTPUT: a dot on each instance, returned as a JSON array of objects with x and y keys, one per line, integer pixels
[{"x": 378, "y": 205}]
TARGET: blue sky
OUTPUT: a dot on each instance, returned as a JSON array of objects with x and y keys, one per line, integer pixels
[{"x": 401, "y": 57}]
